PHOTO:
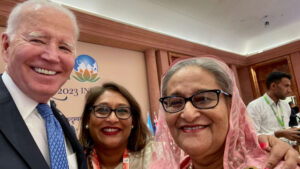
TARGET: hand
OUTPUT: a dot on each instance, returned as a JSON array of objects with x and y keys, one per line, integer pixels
[
  {"x": 290, "y": 134},
  {"x": 279, "y": 150}
]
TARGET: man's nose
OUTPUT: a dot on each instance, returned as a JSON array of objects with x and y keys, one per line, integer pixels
[
  {"x": 51, "y": 53},
  {"x": 289, "y": 90}
]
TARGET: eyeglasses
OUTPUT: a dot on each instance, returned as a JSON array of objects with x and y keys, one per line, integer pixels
[
  {"x": 202, "y": 100},
  {"x": 122, "y": 113}
]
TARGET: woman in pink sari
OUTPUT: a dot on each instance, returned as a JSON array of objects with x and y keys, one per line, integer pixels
[{"x": 203, "y": 115}]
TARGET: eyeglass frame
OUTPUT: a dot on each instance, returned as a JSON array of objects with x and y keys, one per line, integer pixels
[
  {"x": 111, "y": 110},
  {"x": 217, "y": 91}
]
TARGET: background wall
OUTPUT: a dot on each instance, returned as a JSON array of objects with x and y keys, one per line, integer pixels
[
  {"x": 267, "y": 61},
  {"x": 125, "y": 67},
  {"x": 156, "y": 48}
]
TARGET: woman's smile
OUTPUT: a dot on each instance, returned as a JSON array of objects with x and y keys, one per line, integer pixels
[
  {"x": 192, "y": 128},
  {"x": 110, "y": 130}
]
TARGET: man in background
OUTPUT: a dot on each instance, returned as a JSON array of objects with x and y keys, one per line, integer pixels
[
  {"x": 38, "y": 48},
  {"x": 270, "y": 113},
  {"x": 294, "y": 114}
]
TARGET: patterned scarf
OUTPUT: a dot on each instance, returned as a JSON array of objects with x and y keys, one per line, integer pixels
[{"x": 242, "y": 149}]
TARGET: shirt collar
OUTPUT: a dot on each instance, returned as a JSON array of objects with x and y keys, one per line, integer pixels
[
  {"x": 25, "y": 104},
  {"x": 271, "y": 100}
]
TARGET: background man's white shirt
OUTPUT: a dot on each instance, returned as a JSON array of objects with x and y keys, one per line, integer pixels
[{"x": 263, "y": 117}]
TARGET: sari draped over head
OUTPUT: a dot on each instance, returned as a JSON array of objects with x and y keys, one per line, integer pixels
[{"x": 241, "y": 151}]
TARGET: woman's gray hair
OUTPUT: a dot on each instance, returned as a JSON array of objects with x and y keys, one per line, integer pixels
[
  {"x": 222, "y": 76},
  {"x": 14, "y": 17}
]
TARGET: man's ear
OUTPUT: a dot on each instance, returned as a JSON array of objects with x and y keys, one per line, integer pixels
[
  {"x": 273, "y": 85},
  {"x": 5, "y": 43}
]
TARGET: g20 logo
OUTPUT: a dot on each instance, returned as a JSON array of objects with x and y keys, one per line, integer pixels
[{"x": 86, "y": 69}]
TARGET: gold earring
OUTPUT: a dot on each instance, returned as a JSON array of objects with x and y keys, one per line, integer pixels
[{"x": 86, "y": 126}]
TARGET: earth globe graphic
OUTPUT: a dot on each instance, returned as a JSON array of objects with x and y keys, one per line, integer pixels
[{"x": 86, "y": 68}]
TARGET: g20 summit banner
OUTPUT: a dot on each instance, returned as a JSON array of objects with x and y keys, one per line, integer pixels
[{"x": 70, "y": 98}]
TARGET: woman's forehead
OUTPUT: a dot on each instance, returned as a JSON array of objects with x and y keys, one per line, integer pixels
[
  {"x": 191, "y": 79},
  {"x": 191, "y": 73}
]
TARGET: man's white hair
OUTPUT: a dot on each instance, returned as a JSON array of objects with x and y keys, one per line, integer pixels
[{"x": 14, "y": 17}]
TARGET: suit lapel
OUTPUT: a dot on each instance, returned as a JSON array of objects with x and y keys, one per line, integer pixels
[
  {"x": 71, "y": 136},
  {"x": 16, "y": 132}
]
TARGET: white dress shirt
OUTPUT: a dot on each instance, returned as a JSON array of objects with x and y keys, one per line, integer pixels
[
  {"x": 263, "y": 117},
  {"x": 35, "y": 122}
]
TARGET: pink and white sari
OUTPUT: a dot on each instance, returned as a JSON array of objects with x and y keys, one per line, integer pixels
[{"x": 241, "y": 151}]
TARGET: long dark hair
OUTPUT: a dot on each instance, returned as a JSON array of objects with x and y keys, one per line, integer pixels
[{"x": 138, "y": 137}]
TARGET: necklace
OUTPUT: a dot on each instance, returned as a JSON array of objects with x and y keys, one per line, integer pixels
[{"x": 96, "y": 165}]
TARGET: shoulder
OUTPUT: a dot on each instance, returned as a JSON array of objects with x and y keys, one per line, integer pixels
[
  {"x": 149, "y": 148},
  {"x": 146, "y": 151},
  {"x": 142, "y": 158},
  {"x": 4, "y": 93},
  {"x": 285, "y": 105},
  {"x": 257, "y": 103}
]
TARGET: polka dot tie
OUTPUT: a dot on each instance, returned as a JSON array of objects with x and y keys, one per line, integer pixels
[{"x": 57, "y": 149}]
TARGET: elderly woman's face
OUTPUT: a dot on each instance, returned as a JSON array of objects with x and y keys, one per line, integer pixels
[{"x": 199, "y": 132}]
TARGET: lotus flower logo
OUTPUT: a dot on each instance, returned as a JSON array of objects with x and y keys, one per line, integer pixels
[{"x": 86, "y": 69}]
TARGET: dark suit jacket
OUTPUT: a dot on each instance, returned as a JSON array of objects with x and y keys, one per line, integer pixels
[
  {"x": 293, "y": 117},
  {"x": 18, "y": 149}
]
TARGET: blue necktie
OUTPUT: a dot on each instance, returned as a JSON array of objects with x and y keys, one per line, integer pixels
[{"x": 56, "y": 144}]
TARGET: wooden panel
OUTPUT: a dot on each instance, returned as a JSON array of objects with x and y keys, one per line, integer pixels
[
  {"x": 294, "y": 79},
  {"x": 245, "y": 84},
  {"x": 260, "y": 71},
  {"x": 255, "y": 83},
  {"x": 110, "y": 33},
  {"x": 162, "y": 63},
  {"x": 153, "y": 83},
  {"x": 274, "y": 53},
  {"x": 295, "y": 62},
  {"x": 173, "y": 56},
  {"x": 264, "y": 71},
  {"x": 236, "y": 76},
  {"x": 94, "y": 29}
]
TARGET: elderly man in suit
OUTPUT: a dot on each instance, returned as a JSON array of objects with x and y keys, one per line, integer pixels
[{"x": 38, "y": 47}]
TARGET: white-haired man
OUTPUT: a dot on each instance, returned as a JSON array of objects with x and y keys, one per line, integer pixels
[{"x": 38, "y": 48}]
